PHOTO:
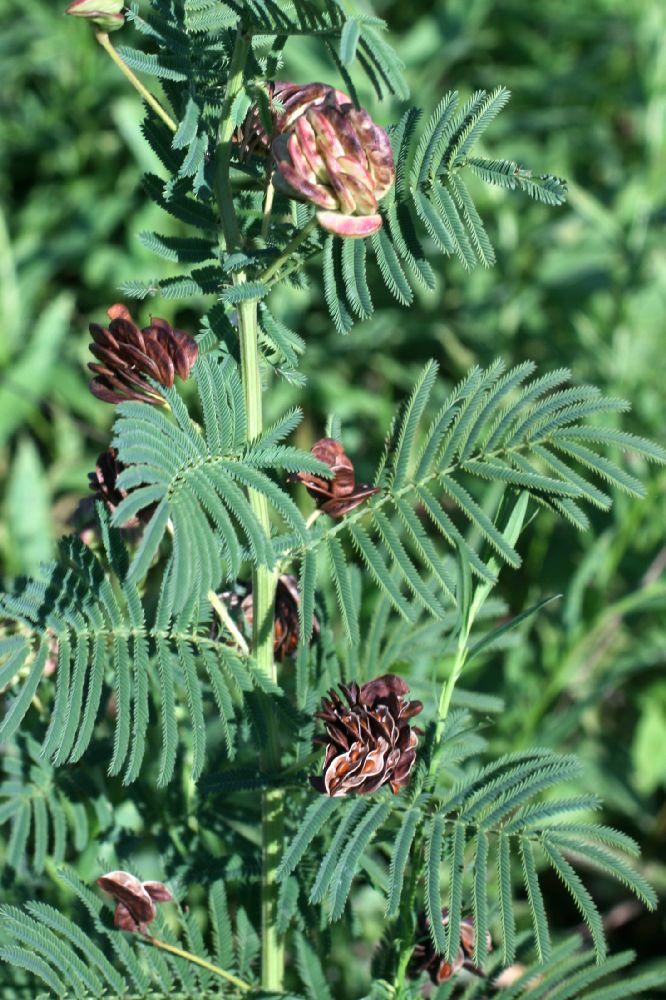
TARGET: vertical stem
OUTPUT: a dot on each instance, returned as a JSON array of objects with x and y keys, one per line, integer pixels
[
  {"x": 263, "y": 579},
  {"x": 223, "y": 193},
  {"x": 447, "y": 689},
  {"x": 263, "y": 600}
]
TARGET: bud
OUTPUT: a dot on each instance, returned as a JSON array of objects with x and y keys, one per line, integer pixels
[
  {"x": 340, "y": 494},
  {"x": 104, "y": 14},
  {"x": 331, "y": 154},
  {"x": 369, "y": 741}
]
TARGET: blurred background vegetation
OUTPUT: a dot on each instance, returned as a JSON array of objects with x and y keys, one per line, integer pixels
[{"x": 582, "y": 286}]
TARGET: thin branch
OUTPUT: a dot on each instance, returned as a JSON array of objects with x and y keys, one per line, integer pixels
[
  {"x": 189, "y": 957},
  {"x": 105, "y": 42},
  {"x": 293, "y": 245},
  {"x": 317, "y": 512},
  {"x": 268, "y": 206},
  {"x": 228, "y": 622}
]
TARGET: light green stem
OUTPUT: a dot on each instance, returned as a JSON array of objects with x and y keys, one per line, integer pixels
[
  {"x": 263, "y": 579},
  {"x": 447, "y": 693},
  {"x": 478, "y": 598},
  {"x": 228, "y": 622},
  {"x": 188, "y": 956},
  {"x": 263, "y": 601},
  {"x": 105, "y": 42}
]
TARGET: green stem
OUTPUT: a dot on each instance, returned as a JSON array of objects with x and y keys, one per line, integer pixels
[
  {"x": 268, "y": 207},
  {"x": 105, "y": 42},
  {"x": 263, "y": 598},
  {"x": 188, "y": 956},
  {"x": 407, "y": 921},
  {"x": 263, "y": 579},
  {"x": 222, "y": 185}
]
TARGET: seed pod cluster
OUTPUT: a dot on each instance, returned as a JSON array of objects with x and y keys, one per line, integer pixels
[
  {"x": 369, "y": 740},
  {"x": 334, "y": 156},
  {"x": 127, "y": 357},
  {"x": 135, "y": 900}
]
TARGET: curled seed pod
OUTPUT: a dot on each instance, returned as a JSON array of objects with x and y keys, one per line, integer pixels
[
  {"x": 127, "y": 357},
  {"x": 369, "y": 740},
  {"x": 340, "y": 494},
  {"x": 135, "y": 900},
  {"x": 104, "y": 484},
  {"x": 158, "y": 892}
]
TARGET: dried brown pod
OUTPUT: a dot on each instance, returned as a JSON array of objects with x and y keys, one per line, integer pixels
[
  {"x": 127, "y": 357},
  {"x": 158, "y": 892},
  {"x": 340, "y": 494},
  {"x": 369, "y": 741},
  {"x": 104, "y": 484},
  {"x": 425, "y": 958},
  {"x": 286, "y": 628},
  {"x": 135, "y": 900}
]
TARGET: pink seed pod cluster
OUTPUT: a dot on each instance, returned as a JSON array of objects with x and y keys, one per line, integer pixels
[
  {"x": 326, "y": 152},
  {"x": 334, "y": 156}
]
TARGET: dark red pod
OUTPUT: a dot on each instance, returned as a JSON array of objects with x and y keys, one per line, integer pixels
[
  {"x": 425, "y": 958},
  {"x": 286, "y": 625},
  {"x": 340, "y": 494}
]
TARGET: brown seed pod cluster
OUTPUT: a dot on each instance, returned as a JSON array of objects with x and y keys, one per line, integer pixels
[
  {"x": 135, "y": 900},
  {"x": 369, "y": 740},
  {"x": 425, "y": 958},
  {"x": 340, "y": 494},
  {"x": 127, "y": 357}
]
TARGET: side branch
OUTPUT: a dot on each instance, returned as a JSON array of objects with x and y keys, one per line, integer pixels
[{"x": 152, "y": 101}]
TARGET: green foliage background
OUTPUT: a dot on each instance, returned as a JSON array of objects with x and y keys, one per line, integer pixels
[{"x": 582, "y": 286}]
